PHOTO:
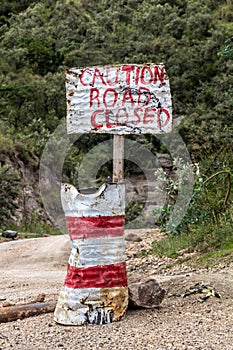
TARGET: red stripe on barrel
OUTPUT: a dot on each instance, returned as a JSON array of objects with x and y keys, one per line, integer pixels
[
  {"x": 95, "y": 226},
  {"x": 104, "y": 276}
]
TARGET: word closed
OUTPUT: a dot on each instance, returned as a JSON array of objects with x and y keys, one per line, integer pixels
[{"x": 121, "y": 99}]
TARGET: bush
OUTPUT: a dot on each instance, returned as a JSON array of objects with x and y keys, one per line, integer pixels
[{"x": 207, "y": 226}]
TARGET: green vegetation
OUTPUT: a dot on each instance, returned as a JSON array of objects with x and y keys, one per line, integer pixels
[
  {"x": 211, "y": 242},
  {"x": 40, "y": 39},
  {"x": 34, "y": 227},
  {"x": 207, "y": 226}
]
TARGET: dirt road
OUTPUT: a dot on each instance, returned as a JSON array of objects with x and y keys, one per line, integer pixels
[{"x": 33, "y": 266}]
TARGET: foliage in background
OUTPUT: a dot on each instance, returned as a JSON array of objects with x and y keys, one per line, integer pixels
[
  {"x": 40, "y": 39},
  {"x": 211, "y": 200},
  {"x": 227, "y": 49},
  {"x": 34, "y": 226},
  {"x": 207, "y": 225}
]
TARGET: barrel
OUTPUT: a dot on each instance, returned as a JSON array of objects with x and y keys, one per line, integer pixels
[{"x": 95, "y": 289}]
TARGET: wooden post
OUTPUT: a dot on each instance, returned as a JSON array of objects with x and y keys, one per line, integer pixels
[{"x": 118, "y": 158}]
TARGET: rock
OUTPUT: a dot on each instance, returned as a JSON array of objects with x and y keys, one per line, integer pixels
[
  {"x": 9, "y": 234},
  {"x": 6, "y": 304},
  {"x": 146, "y": 293},
  {"x": 165, "y": 160},
  {"x": 40, "y": 298},
  {"x": 132, "y": 237}
]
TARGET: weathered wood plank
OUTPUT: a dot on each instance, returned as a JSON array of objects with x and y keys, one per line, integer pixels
[
  {"x": 118, "y": 158},
  {"x": 12, "y": 313}
]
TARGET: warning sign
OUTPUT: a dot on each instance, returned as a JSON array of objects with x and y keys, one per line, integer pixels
[{"x": 119, "y": 99}]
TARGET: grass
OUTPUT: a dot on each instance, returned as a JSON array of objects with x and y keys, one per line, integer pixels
[
  {"x": 33, "y": 230},
  {"x": 213, "y": 243}
]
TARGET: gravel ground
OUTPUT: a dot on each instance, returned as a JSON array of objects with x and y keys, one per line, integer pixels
[{"x": 34, "y": 266}]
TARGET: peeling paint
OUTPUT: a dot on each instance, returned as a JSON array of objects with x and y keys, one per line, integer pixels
[
  {"x": 95, "y": 289},
  {"x": 120, "y": 99},
  {"x": 117, "y": 300},
  {"x": 102, "y": 250},
  {"x": 91, "y": 305}
]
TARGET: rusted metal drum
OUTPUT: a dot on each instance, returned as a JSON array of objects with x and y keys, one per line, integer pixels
[{"x": 95, "y": 289}]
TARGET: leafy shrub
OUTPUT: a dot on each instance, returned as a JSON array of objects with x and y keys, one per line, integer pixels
[
  {"x": 208, "y": 223},
  {"x": 211, "y": 199}
]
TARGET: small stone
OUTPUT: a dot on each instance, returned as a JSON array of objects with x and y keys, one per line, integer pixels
[
  {"x": 10, "y": 234},
  {"x": 6, "y": 304},
  {"x": 40, "y": 298},
  {"x": 132, "y": 237}
]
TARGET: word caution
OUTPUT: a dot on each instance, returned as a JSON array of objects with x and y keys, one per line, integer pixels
[{"x": 119, "y": 99}]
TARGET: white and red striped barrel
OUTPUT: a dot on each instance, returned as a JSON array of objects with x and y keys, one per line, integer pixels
[{"x": 95, "y": 289}]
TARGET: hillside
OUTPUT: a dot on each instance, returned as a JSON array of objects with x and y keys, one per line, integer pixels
[{"x": 41, "y": 39}]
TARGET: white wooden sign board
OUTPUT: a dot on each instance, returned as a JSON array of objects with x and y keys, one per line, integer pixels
[{"x": 119, "y": 99}]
